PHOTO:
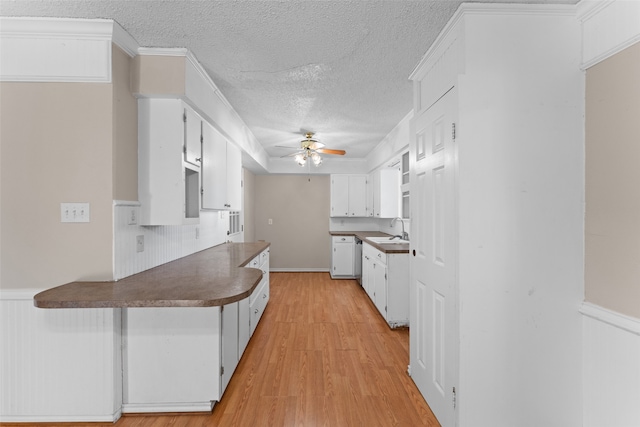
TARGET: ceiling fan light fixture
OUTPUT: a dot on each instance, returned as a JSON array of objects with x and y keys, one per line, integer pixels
[
  {"x": 317, "y": 160},
  {"x": 301, "y": 159}
]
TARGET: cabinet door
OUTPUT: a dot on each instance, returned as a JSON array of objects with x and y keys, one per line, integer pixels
[
  {"x": 380, "y": 287},
  {"x": 376, "y": 194},
  {"x": 369, "y": 201},
  {"x": 339, "y": 195},
  {"x": 244, "y": 325},
  {"x": 192, "y": 136},
  {"x": 229, "y": 343},
  {"x": 343, "y": 259},
  {"x": 234, "y": 177},
  {"x": 358, "y": 196},
  {"x": 214, "y": 170},
  {"x": 389, "y": 193}
]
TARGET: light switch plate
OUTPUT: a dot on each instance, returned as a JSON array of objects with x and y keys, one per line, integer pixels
[{"x": 75, "y": 212}]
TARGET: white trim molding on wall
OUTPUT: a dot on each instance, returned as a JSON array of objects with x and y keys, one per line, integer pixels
[
  {"x": 608, "y": 26},
  {"x": 59, "y": 49},
  {"x": 611, "y": 368}
]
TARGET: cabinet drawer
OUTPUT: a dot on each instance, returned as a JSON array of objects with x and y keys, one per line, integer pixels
[
  {"x": 373, "y": 253},
  {"x": 254, "y": 263},
  {"x": 343, "y": 239},
  {"x": 264, "y": 260},
  {"x": 258, "y": 304}
]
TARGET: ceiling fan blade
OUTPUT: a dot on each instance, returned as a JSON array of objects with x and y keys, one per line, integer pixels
[
  {"x": 290, "y": 154},
  {"x": 331, "y": 151},
  {"x": 287, "y": 146}
]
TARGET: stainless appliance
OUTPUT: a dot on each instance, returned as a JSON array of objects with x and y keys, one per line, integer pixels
[{"x": 357, "y": 262}]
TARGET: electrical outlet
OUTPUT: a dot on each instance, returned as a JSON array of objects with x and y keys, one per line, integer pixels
[
  {"x": 270, "y": 221},
  {"x": 140, "y": 243}
]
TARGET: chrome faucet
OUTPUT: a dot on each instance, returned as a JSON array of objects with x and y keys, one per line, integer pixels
[{"x": 405, "y": 235}]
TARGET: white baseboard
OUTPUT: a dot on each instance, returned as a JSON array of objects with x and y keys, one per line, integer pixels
[
  {"x": 298, "y": 270},
  {"x": 133, "y": 408}
]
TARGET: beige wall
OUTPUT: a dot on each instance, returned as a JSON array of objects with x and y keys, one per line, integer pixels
[
  {"x": 249, "y": 203},
  {"x": 299, "y": 209},
  {"x": 612, "y": 227},
  {"x": 125, "y": 130},
  {"x": 154, "y": 74},
  {"x": 56, "y": 141},
  {"x": 64, "y": 142}
]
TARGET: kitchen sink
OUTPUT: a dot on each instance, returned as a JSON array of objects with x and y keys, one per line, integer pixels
[{"x": 386, "y": 241}]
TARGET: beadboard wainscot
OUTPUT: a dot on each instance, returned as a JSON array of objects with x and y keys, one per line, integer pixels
[
  {"x": 58, "y": 365},
  {"x": 611, "y": 366}
]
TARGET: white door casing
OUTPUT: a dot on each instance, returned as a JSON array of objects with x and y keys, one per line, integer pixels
[{"x": 433, "y": 263}]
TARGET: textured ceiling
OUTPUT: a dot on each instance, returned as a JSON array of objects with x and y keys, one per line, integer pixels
[{"x": 337, "y": 68}]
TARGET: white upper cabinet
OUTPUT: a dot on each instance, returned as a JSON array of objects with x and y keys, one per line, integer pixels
[
  {"x": 192, "y": 136},
  {"x": 221, "y": 171},
  {"x": 168, "y": 186},
  {"x": 349, "y": 195},
  {"x": 386, "y": 193}
]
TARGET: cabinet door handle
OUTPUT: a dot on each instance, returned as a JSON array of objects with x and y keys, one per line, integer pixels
[
  {"x": 414, "y": 252},
  {"x": 256, "y": 311},
  {"x": 264, "y": 296}
]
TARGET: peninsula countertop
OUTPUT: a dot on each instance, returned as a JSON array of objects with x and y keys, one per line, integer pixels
[
  {"x": 212, "y": 277},
  {"x": 396, "y": 248}
]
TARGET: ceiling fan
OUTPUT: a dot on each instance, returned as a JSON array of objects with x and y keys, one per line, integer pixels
[{"x": 310, "y": 149}]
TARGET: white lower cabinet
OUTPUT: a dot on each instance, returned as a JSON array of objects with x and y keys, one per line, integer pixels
[
  {"x": 260, "y": 296},
  {"x": 342, "y": 257},
  {"x": 385, "y": 279},
  {"x": 181, "y": 359},
  {"x": 229, "y": 343}
]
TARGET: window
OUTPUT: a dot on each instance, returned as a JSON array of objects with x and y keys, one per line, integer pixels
[{"x": 234, "y": 222}]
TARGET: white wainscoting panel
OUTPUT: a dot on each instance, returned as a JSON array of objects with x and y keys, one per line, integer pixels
[
  {"x": 611, "y": 357},
  {"x": 55, "y": 50},
  {"x": 608, "y": 26},
  {"x": 58, "y": 364},
  {"x": 162, "y": 244}
]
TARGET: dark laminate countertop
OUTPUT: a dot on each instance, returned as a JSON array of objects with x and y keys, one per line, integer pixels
[
  {"x": 395, "y": 248},
  {"x": 211, "y": 277}
]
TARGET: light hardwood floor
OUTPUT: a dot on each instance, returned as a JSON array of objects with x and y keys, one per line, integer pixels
[{"x": 321, "y": 356}]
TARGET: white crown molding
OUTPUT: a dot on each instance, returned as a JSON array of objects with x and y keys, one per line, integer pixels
[
  {"x": 627, "y": 323},
  {"x": 608, "y": 27},
  {"x": 124, "y": 41},
  {"x": 85, "y": 29},
  {"x": 489, "y": 9}
]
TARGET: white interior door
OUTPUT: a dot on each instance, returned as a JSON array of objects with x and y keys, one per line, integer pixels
[{"x": 434, "y": 331}]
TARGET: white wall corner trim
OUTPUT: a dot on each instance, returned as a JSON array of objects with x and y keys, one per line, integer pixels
[
  {"x": 608, "y": 26},
  {"x": 55, "y": 50},
  {"x": 621, "y": 321}
]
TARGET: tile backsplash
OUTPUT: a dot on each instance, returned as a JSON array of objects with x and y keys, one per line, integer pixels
[{"x": 161, "y": 243}]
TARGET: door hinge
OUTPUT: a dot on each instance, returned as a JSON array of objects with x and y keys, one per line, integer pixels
[
  {"x": 221, "y": 370},
  {"x": 454, "y": 398},
  {"x": 201, "y": 191},
  {"x": 184, "y": 117},
  {"x": 221, "y": 308},
  {"x": 453, "y": 131}
]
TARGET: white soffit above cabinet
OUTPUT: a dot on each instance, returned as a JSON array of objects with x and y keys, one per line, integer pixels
[{"x": 337, "y": 68}]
